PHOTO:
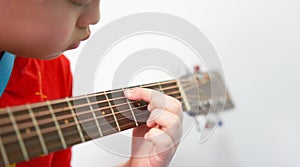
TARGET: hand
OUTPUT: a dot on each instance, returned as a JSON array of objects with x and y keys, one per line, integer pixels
[{"x": 154, "y": 144}]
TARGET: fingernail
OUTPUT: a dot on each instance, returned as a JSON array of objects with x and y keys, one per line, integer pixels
[
  {"x": 128, "y": 92},
  {"x": 149, "y": 107},
  {"x": 148, "y": 123}
]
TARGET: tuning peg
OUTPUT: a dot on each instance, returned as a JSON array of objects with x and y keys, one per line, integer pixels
[
  {"x": 204, "y": 105},
  {"x": 210, "y": 124},
  {"x": 220, "y": 123},
  {"x": 196, "y": 69},
  {"x": 200, "y": 123}
]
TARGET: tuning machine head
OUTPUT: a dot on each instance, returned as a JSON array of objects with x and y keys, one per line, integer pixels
[{"x": 211, "y": 100}]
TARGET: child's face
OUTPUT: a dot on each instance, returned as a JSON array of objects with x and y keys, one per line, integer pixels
[{"x": 45, "y": 28}]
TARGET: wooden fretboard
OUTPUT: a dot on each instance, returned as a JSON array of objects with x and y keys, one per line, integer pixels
[{"x": 32, "y": 130}]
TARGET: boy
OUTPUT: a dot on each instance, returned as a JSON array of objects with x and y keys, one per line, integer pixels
[{"x": 44, "y": 29}]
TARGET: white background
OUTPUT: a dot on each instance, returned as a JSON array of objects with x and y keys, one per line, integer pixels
[{"x": 257, "y": 42}]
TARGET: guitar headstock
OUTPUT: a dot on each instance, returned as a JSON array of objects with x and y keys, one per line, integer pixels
[
  {"x": 205, "y": 92},
  {"x": 205, "y": 97}
]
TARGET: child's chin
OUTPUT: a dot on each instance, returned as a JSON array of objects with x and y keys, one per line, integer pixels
[
  {"x": 50, "y": 56},
  {"x": 74, "y": 46}
]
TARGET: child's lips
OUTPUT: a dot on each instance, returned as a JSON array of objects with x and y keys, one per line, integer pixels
[
  {"x": 76, "y": 45},
  {"x": 85, "y": 38}
]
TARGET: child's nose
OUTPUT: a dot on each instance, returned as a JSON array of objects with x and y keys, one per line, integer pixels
[{"x": 90, "y": 15}]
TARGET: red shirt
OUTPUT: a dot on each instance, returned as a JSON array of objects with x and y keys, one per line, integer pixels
[{"x": 35, "y": 80}]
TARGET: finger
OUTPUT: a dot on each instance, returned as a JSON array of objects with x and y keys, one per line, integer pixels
[
  {"x": 138, "y": 94},
  {"x": 169, "y": 123},
  {"x": 163, "y": 118},
  {"x": 155, "y": 99},
  {"x": 162, "y": 141}
]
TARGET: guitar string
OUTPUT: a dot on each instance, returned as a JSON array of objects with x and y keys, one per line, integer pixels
[
  {"x": 113, "y": 100},
  {"x": 46, "y": 121},
  {"x": 58, "y": 110},
  {"x": 100, "y": 116},
  {"x": 32, "y": 134},
  {"x": 124, "y": 125},
  {"x": 90, "y": 96},
  {"x": 87, "y": 112},
  {"x": 60, "y": 118},
  {"x": 52, "y": 129},
  {"x": 63, "y": 109},
  {"x": 36, "y": 151}
]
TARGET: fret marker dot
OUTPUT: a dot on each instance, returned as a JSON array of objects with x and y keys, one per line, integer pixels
[
  {"x": 27, "y": 131},
  {"x": 66, "y": 121},
  {"x": 139, "y": 104},
  {"x": 103, "y": 113}
]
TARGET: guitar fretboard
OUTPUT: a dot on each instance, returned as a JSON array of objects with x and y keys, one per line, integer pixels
[{"x": 29, "y": 131}]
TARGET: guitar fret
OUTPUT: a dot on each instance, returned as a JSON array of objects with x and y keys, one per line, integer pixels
[
  {"x": 112, "y": 111},
  {"x": 66, "y": 123},
  {"x": 18, "y": 134},
  {"x": 141, "y": 113},
  {"x": 160, "y": 87},
  {"x": 93, "y": 113},
  {"x": 133, "y": 115},
  {"x": 63, "y": 142},
  {"x": 3, "y": 153},
  {"x": 38, "y": 130},
  {"x": 103, "y": 114},
  {"x": 83, "y": 113},
  {"x": 76, "y": 121},
  {"x": 184, "y": 97}
]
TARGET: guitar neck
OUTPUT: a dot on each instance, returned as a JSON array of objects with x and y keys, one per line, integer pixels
[{"x": 32, "y": 130}]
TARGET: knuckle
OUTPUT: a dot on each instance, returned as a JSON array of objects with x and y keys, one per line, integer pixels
[
  {"x": 177, "y": 106},
  {"x": 176, "y": 121},
  {"x": 138, "y": 90},
  {"x": 168, "y": 142}
]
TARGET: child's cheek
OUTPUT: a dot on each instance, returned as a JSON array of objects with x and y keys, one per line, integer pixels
[
  {"x": 64, "y": 33},
  {"x": 59, "y": 37},
  {"x": 48, "y": 41}
]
